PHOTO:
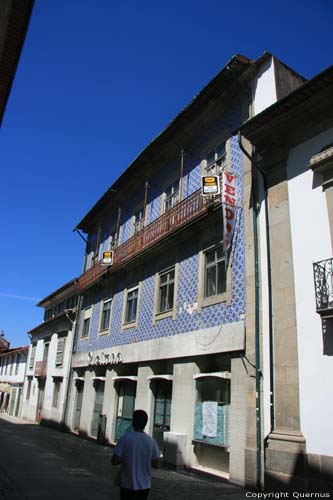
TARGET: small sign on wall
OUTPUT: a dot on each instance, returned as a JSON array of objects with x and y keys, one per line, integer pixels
[
  {"x": 107, "y": 258},
  {"x": 210, "y": 185}
]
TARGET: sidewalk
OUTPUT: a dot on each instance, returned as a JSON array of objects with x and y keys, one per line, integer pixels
[{"x": 37, "y": 462}]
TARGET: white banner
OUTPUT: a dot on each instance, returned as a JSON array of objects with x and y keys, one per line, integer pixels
[{"x": 229, "y": 207}]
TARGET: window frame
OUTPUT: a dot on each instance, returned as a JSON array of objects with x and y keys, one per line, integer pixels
[
  {"x": 28, "y": 390},
  {"x": 87, "y": 314},
  {"x": 172, "y": 197},
  {"x": 134, "y": 323},
  {"x": 60, "y": 353},
  {"x": 224, "y": 402},
  {"x": 138, "y": 224},
  {"x": 158, "y": 314},
  {"x": 101, "y": 330},
  {"x": 222, "y": 160},
  {"x": 204, "y": 301},
  {"x": 56, "y": 392},
  {"x": 32, "y": 356}
]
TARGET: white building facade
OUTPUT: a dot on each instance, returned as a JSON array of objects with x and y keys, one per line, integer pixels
[
  {"x": 294, "y": 158},
  {"x": 48, "y": 366},
  {"x": 12, "y": 371}
]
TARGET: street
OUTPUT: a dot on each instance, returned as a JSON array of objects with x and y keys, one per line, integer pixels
[{"x": 37, "y": 462}]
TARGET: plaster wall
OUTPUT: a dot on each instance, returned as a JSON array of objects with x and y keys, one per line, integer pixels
[
  {"x": 264, "y": 320},
  {"x": 264, "y": 87},
  {"x": 310, "y": 243}
]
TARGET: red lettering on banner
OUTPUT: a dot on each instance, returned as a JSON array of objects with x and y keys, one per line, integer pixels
[
  {"x": 228, "y": 199},
  {"x": 229, "y": 214},
  {"x": 229, "y": 177},
  {"x": 230, "y": 189}
]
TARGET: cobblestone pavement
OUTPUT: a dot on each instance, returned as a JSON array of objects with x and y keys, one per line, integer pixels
[{"x": 37, "y": 462}]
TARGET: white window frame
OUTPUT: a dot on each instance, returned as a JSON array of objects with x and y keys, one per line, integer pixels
[
  {"x": 133, "y": 323},
  {"x": 107, "y": 328}
]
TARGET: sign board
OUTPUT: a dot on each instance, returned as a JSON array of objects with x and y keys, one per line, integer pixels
[
  {"x": 210, "y": 185},
  {"x": 229, "y": 207},
  {"x": 107, "y": 258}
]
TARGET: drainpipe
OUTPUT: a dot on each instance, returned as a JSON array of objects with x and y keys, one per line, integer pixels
[
  {"x": 75, "y": 326},
  {"x": 257, "y": 168},
  {"x": 182, "y": 154}
]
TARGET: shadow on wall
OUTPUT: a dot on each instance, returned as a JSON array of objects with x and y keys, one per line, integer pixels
[
  {"x": 327, "y": 329},
  {"x": 310, "y": 473}
]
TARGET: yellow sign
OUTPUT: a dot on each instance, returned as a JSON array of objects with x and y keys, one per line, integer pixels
[
  {"x": 210, "y": 185},
  {"x": 107, "y": 258}
]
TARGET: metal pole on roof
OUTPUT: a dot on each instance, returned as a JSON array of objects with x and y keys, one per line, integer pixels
[{"x": 182, "y": 154}]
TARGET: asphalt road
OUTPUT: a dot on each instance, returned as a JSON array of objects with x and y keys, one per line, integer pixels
[{"x": 37, "y": 462}]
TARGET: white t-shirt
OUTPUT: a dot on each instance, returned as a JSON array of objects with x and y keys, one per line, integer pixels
[{"x": 137, "y": 450}]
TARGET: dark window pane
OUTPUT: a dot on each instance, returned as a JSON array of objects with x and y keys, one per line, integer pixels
[
  {"x": 221, "y": 278},
  {"x": 211, "y": 281}
]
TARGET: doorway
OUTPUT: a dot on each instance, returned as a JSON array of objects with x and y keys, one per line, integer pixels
[
  {"x": 126, "y": 401},
  {"x": 78, "y": 404},
  {"x": 162, "y": 409},
  {"x": 98, "y": 407}
]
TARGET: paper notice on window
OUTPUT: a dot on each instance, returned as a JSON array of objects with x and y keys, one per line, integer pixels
[{"x": 209, "y": 418}]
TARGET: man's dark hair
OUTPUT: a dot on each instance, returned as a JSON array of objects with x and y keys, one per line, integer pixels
[{"x": 140, "y": 419}]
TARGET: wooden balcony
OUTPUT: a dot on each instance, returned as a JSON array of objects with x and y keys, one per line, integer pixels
[
  {"x": 40, "y": 369},
  {"x": 183, "y": 213}
]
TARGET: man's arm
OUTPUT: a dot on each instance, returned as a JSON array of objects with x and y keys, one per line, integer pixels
[{"x": 116, "y": 460}]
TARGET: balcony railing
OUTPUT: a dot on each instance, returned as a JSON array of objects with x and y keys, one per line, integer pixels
[
  {"x": 181, "y": 214},
  {"x": 323, "y": 279}
]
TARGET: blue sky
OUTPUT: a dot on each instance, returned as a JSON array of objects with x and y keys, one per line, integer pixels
[{"x": 97, "y": 81}]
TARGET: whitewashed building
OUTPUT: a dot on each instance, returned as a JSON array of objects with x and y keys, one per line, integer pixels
[
  {"x": 293, "y": 141},
  {"x": 46, "y": 381},
  {"x": 12, "y": 369}
]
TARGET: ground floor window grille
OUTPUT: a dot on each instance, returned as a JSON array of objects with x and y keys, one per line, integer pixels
[{"x": 211, "y": 414}]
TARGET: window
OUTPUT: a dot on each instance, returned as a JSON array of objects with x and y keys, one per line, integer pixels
[
  {"x": 131, "y": 307},
  {"x": 139, "y": 221},
  {"x": 56, "y": 392},
  {"x": 11, "y": 364},
  {"x": 105, "y": 314},
  {"x": 32, "y": 356},
  {"x": 216, "y": 159},
  {"x": 85, "y": 328},
  {"x": 86, "y": 323},
  {"x": 215, "y": 273},
  {"x": 17, "y": 364},
  {"x": 212, "y": 410},
  {"x": 171, "y": 196},
  {"x": 166, "y": 290},
  {"x": 60, "y": 351}
]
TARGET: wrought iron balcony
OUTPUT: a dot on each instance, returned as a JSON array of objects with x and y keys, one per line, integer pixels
[
  {"x": 323, "y": 279},
  {"x": 177, "y": 217}
]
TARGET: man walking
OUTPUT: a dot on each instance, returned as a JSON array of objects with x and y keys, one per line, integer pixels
[{"x": 137, "y": 453}]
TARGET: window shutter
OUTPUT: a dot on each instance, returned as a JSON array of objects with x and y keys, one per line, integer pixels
[{"x": 60, "y": 351}]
